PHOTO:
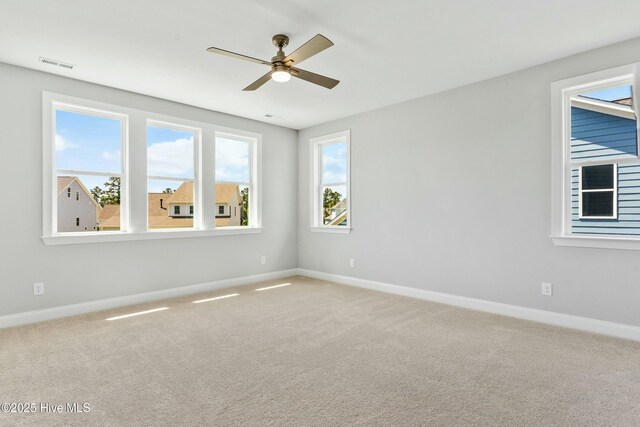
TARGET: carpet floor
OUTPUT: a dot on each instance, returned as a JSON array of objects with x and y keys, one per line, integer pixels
[{"x": 314, "y": 353}]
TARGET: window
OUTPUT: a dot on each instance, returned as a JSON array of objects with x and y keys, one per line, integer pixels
[
  {"x": 171, "y": 175},
  {"x": 330, "y": 206},
  {"x": 88, "y": 158},
  {"x": 99, "y": 152},
  {"x": 598, "y": 192},
  {"x": 236, "y": 179},
  {"x": 596, "y": 166}
]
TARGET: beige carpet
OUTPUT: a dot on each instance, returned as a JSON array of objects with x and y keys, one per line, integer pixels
[{"x": 317, "y": 354}]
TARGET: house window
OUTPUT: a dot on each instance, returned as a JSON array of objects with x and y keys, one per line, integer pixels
[
  {"x": 87, "y": 153},
  {"x": 596, "y": 165},
  {"x": 330, "y": 201},
  {"x": 171, "y": 174},
  {"x": 598, "y": 192},
  {"x": 100, "y": 151},
  {"x": 236, "y": 177},
  {"x": 77, "y": 222}
]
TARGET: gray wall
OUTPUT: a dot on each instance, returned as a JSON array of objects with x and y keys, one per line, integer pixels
[
  {"x": 86, "y": 272},
  {"x": 471, "y": 170}
]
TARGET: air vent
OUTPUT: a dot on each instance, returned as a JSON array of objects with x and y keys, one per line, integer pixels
[{"x": 56, "y": 63}]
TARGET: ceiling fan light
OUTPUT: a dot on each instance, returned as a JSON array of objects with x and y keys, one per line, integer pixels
[{"x": 281, "y": 76}]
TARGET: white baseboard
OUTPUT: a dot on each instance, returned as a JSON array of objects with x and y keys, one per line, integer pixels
[
  {"x": 105, "y": 304},
  {"x": 549, "y": 317}
]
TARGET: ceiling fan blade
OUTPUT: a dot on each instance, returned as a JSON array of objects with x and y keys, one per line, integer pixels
[
  {"x": 262, "y": 80},
  {"x": 237, "y": 55},
  {"x": 316, "y": 45},
  {"x": 318, "y": 79}
]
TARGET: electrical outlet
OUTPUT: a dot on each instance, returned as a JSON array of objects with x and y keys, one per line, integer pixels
[
  {"x": 38, "y": 288},
  {"x": 352, "y": 263},
  {"x": 263, "y": 260},
  {"x": 547, "y": 289}
]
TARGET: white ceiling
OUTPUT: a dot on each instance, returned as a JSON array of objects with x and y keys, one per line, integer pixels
[{"x": 385, "y": 51}]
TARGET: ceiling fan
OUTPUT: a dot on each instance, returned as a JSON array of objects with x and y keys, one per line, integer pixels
[{"x": 284, "y": 66}]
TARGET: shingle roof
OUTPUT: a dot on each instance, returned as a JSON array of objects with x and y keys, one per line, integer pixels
[
  {"x": 108, "y": 211},
  {"x": 624, "y": 101},
  {"x": 184, "y": 194},
  {"x": 64, "y": 181},
  {"x": 159, "y": 216}
]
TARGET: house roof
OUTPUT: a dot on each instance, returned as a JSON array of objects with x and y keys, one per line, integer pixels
[
  {"x": 64, "y": 181},
  {"x": 624, "y": 101},
  {"x": 108, "y": 211},
  {"x": 184, "y": 194},
  {"x": 159, "y": 216},
  {"x": 616, "y": 108}
]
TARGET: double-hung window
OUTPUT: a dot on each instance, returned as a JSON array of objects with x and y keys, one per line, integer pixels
[
  {"x": 330, "y": 183},
  {"x": 596, "y": 168},
  {"x": 236, "y": 180},
  {"x": 171, "y": 165},
  {"x": 88, "y": 155},
  {"x": 114, "y": 173}
]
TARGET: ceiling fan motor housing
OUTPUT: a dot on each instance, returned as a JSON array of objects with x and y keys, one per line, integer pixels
[{"x": 280, "y": 41}]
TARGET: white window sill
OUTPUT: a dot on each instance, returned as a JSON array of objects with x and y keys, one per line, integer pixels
[
  {"x": 605, "y": 242},
  {"x": 331, "y": 229},
  {"x": 116, "y": 236}
]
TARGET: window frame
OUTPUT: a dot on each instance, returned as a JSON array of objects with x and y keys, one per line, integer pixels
[
  {"x": 197, "y": 153},
  {"x": 561, "y": 163},
  {"x": 255, "y": 175},
  {"x": 316, "y": 217},
  {"x": 134, "y": 199},
  {"x": 67, "y": 104}
]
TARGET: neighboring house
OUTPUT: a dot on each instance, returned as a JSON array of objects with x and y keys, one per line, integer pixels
[
  {"x": 77, "y": 210},
  {"x": 175, "y": 210},
  {"x": 605, "y": 198},
  {"x": 337, "y": 214}
]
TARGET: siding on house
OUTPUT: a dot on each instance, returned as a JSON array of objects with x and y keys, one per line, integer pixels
[
  {"x": 596, "y": 135},
  {"x": 599, "y": 135}
]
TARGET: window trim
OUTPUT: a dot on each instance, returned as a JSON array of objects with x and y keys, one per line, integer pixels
[
  {"x": 51, "y": 104},
  {"x": 315, "y": 144},
  {"x": 180, "y": 126},
  {"x": 561, "y": 164},
  {"x": 614, "y": 189},
  {"x": 255, "y": 173},
  {"x": 134, "y": 223}
]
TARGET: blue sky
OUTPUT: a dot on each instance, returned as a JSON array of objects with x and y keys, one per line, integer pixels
[
  {"x": 334, "y": 163},
  {"x": 610, "y": 94},
  {"x": 89, "y": 143}
]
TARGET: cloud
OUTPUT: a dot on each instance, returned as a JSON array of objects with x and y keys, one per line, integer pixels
[
  {"x": 334, "y": 166},
  {"x": 171, "y": 158},
  {"x": 232, "y": 160},
  {"x": 107, "y": 155},
  {"x": 62, "y": 144}
]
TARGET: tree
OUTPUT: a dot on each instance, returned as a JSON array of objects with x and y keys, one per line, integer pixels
[
  {"x": 110, "y": 195},
  {"x": 244, "y": 211},
  {"x": 330, "y": 198},
  {"x": 168, "y": 191}
]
